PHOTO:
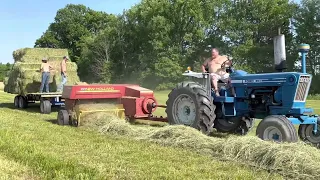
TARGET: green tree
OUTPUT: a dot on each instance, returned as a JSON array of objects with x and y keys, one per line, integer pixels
[
  {"x": 249, "y": 28},
  {"x": 307, "y": 24},
  {"x": 71, "y": 25}
]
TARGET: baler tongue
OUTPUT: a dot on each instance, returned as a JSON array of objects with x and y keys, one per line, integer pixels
[{"x": 106, "y": 106}]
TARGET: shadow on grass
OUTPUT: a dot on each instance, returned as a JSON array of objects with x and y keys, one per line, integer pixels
[
  {"x": 53, "y": 121},
  {"x": 34, "y": 108},
  {"x": 149, "y": 123}
]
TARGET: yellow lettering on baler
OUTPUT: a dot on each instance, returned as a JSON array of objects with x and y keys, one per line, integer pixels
[{"x": 99, "y": 89}]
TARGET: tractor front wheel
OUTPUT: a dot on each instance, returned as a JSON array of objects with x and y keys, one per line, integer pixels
[
  {"x": 306, "y": 133},
  {"x": 277, "y": 128},
  {"x": 189, "y": 104}
]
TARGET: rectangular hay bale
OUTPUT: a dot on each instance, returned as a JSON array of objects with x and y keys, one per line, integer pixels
[{"x": 37, "y": 53}]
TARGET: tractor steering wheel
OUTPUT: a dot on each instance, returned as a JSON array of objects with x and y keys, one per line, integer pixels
[{"x": 224, "y": 64}]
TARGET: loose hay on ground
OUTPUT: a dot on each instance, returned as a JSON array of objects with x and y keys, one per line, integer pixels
[
  {"x": 1, "y": 86},
  {"x": 292, "y": 160}
]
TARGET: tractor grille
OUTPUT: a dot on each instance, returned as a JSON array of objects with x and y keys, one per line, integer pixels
[{"x": 303, "y": 88}]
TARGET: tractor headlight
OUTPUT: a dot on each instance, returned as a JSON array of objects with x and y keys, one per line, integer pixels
[{"x": 291, "y": 80}]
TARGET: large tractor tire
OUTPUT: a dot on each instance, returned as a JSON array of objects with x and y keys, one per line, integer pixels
[
  {"x": 306, "y": 134},
  {"x": 277, "y": 128},
  {"x": 190, "y": 105}
]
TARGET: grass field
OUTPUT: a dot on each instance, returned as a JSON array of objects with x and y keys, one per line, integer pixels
[
  {"x": 1, "y": 86},
  {"x": 32, "y": 146}
]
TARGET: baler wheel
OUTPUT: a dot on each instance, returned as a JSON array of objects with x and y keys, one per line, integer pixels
[
  {"x": 23, "y": 102},
  {"x": 45, "y": 106},
  {"x": 190, "y": 100},
  {"x": 16, "y": 101},
  {"x": 277, "y": 128},
  {"x": 63, "y": 117},
  {"x": 306, "y": 134}
]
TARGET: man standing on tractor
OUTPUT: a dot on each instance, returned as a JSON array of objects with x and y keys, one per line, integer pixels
[
  {"x": 214, "y": 67},
  {"x": 63, "y": 72}
]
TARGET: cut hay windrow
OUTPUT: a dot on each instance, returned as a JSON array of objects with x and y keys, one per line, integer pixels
[
  {"x": 292, "y": 160},
  {"x": 25, "y": 76}
]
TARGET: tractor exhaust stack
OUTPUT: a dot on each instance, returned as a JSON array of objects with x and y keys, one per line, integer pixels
[{"x": 279, "y": 52}]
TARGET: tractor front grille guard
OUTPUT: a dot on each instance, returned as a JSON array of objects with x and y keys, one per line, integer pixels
[{"x": 303, "y": 88}]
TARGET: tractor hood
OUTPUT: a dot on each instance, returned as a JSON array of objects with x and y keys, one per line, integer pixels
[{"x": 279, "y": 77}]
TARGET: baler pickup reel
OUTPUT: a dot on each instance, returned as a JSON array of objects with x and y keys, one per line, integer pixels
[{"x": 125, "y": 101}]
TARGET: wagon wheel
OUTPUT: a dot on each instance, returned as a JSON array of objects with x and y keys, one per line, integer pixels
[
  {"x": 23, "y": 102},
  {"x": 45, "y": 106},
  {"x": 16, "y": 101}
]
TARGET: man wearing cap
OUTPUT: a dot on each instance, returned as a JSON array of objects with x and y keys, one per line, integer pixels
[
  {"x": 45, "y": 70},
  {"x": 63, "y": 72}
]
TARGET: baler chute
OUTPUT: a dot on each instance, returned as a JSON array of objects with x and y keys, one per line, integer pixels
[{"x": 125, "y": 101}]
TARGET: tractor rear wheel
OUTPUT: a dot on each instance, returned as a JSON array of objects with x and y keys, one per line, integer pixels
[
  {"x": 306, "y": 133},
  {"x": 277, "y": 128},
  {"x": 189, "y": 104}
]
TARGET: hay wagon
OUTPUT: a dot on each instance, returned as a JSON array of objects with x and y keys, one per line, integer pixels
[
  {"x": 24, "y": 78},
  {"x": 47, "y": 100}
]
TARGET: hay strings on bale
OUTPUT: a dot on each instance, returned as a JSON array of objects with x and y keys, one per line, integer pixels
[{"x": 292, "y": 160}]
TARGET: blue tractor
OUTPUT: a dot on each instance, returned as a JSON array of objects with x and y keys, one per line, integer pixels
[{"x": 278, "y": 98}]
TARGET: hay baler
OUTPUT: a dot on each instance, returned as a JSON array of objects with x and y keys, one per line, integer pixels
[{"x": 127, "y": 101}]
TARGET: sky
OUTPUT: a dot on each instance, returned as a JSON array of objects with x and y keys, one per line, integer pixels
[{"x": 22, "y": 22}]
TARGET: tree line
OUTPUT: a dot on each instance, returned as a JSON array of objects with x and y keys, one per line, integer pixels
[
  {"x": 154, "y": 41},
  {"x": 4, "y": 68}
]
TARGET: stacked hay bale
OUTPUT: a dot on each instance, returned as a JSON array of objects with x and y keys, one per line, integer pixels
[{"x": 25, "y": 75}]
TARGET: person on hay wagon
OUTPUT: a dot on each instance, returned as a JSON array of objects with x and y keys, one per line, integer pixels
[
  {"x": 63, "y": 73},
  {"x": 45, "y": 71}
]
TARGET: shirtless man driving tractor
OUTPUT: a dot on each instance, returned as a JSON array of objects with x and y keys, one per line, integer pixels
[{"x": 214, "y": 67}]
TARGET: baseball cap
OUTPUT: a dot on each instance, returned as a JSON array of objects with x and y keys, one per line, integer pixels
[{"x": 65, "y": 57}]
